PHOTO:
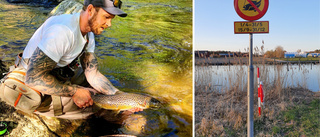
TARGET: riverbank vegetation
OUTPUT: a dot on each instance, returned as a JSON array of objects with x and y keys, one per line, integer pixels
[
  {"x": 289, "y": 112},
  {"x": 300, "y": 59},
  {"x": 260, "y": 56},
  {"x": 290, "y": 109},
  {"x": 278, "y": 52}
]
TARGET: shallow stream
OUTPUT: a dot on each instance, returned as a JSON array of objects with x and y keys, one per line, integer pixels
[{"x": 148, "y": 52}]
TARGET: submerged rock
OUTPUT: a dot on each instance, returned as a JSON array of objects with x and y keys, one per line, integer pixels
[
  {"x": 30, "y": 124},
  {"x": 3, "y": 69},
  {"x": 67, "y": 7},
  {"x": 19, "y": 1},
  {"x": 21, "y": 124},
  {"x": 34, "y": 1},
  {"x": 44, "y": 3}
]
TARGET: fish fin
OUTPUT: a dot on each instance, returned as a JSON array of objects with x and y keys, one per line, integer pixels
[
  {"x": 117, "y": 112},
  {"x": 95, "y": 107},
  {"x": 119, "y": 92},
  {"x": 144, "y": 102}
]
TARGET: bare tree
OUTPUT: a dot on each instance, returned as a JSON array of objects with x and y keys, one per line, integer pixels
[
  {"x": 269, "y": 54},
  {"x": 279, "y": 52},
  {"x": 299, "y": 50}
]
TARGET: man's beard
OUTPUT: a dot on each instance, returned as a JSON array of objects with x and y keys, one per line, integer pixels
[{"x": 93, "y": 25}]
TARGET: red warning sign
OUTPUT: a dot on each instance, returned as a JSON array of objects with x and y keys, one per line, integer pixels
[{"x": 251, "y": 9}]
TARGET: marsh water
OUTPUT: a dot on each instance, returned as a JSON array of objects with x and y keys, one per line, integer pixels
[
  {"x": 224, "y": 78},
  {"x": 148, "y": 52}
]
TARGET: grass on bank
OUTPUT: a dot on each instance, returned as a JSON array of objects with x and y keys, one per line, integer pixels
[
  {"x": 301, "y": 120},
  {"x": 295, "y": 113},
  {"x": 300, "y": 59}
]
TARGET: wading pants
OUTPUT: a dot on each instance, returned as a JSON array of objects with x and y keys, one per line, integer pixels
[{"x": 50, "y": 104}]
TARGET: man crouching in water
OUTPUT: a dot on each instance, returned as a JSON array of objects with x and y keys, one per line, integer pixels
[{"x": 52, "y": 52}]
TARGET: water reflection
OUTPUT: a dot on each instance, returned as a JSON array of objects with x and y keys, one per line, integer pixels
[
  {"x": 223, "y": 78},
  {"x": 18, "y": 23}
]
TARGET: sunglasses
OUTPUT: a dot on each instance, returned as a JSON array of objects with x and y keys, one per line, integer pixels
[{"x": 117, "y": 3}]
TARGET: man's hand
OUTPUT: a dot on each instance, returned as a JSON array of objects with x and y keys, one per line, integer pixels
[
  {"x": 135, "y": 109},
  {"x": 82, "y": 98},
  {"x": 131, "y": 111}
]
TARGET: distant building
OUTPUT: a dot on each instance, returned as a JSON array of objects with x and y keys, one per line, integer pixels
[
  {"x": 226, "y": 54},
  {"x": 290, "y": 54},
  {"x": 315, "y": 55},
  {"x": 219, "y": 54},
  {"x": 229, "y": 54},
  {"x": 244, "y": 55},
  {"x": 201, "y": 54},
  {"x": 302, "y": 54}
]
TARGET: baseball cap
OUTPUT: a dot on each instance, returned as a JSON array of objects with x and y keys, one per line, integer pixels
[{"x": 111, "y": 6}]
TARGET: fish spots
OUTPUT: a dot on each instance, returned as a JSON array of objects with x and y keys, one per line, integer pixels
[{"x": 122, "y": 101}]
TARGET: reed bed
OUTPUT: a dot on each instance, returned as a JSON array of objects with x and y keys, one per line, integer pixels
[{"x": 221, "y": 97}]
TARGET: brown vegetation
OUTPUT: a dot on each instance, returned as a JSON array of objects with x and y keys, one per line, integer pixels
[
  {"x": 225, "y": 114},
  {"x": 223, "y": 111},
  {"x": 278, "y": 52}
]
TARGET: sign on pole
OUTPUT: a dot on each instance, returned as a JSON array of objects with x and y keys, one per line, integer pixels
[
  {"x": 245, "y": 27},
  {"x": 251, "y": 9}
]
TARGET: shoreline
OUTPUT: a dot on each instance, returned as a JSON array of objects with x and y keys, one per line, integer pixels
[{"x": 244, "y": 61}]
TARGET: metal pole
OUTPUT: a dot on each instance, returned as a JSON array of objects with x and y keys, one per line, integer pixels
[{"x": 250, "y": 91}]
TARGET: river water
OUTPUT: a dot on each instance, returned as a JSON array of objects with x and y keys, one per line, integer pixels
[
  {"x": 148, "y": 52},
  {"x": 223, "y": 78}
]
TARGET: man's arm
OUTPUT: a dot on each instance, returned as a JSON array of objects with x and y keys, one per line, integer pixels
[
  {"x": 97, "y": 80},
  {"x": 38, "y": 77},
  {"x": 94, "y": 77}
]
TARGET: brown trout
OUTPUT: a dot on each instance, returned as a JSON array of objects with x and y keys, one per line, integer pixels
[{"x": 125, "y": 101}]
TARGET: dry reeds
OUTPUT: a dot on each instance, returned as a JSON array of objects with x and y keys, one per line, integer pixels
[{"x": 221, "y": 97}]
